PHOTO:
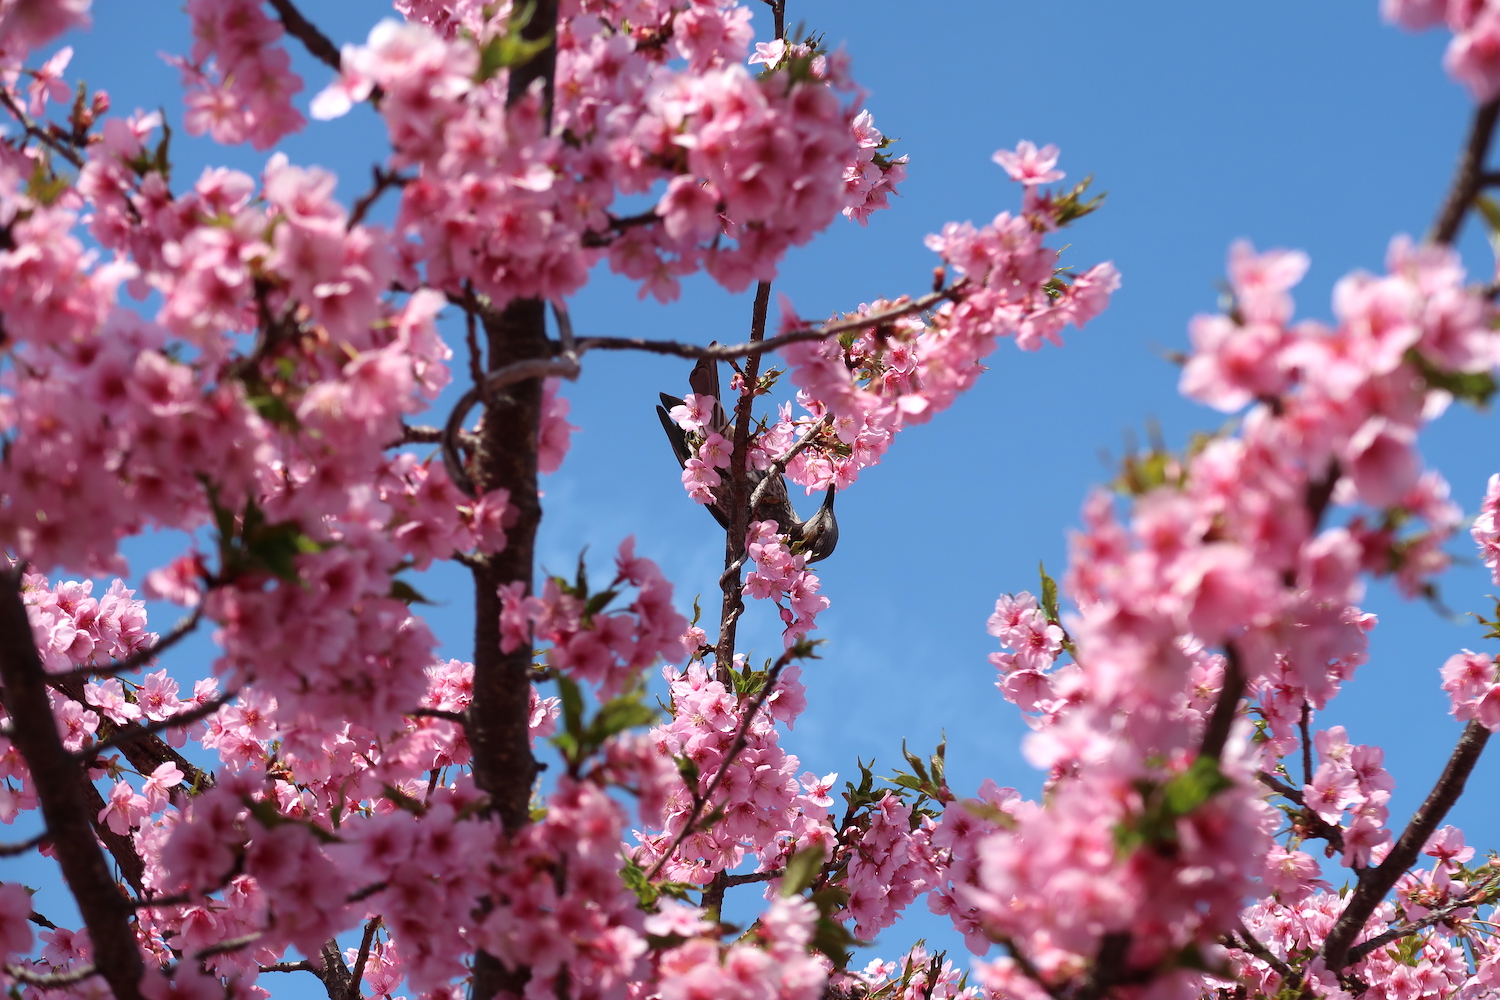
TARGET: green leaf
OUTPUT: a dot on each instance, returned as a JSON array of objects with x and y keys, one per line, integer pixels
[
  {"x": 1185, "y": 792},
  {"x": 801, "y": 870},
  {"x": 572, "y": 705},
  {"x": 1049, "y": 594},
  {"x": 406, "y": 593},
  {"x": 1477, "y": 388},
  {"x": 618, "y": 715},
  {"x": 512, "y": 48}
]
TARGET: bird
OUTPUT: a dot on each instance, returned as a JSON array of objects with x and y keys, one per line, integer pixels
[{"x": 816, "y": 537}]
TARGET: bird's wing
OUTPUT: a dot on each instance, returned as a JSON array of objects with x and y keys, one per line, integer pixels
[
  {"x": 676, "y": 435},
  {"x": 704, "y": 380}
]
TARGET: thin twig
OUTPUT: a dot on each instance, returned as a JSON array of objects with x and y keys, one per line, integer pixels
[
  {"x": 518, "y": 371},
  {"x": 1378, "y": 881},
  {"x": 318, "y": 45},
  {"x": 302, "y": 966},
  {"x": 438, "y": 713},
  {"x": 1475, "y": 898},
  {"x": 730, "y": 880},
  {"x": 1316, "y": 825},
  {"x": 357, "y": 974},
  {"x": 13, "y": 850},
  {"x": 127, "y": 734},
  {"x": 384, "y": 180},
  {"x": 21, "y": 974},
  {"x": 740, "y": 738},
  {"x": 1248, "y": 942},
  {"x": 183, "y": 629},
  {"x": 37, "y": 132},
  {"x": 726, "y": 352}
]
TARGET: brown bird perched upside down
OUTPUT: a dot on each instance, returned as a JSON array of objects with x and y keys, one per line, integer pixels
[{"x": 817, "y": 536}]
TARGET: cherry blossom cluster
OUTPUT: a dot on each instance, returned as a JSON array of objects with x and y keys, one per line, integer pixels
[
  {"x": 1224, "y": 583},
  {"x": 768, "y": 812},
  {"x": 1473, "y": 56},
  {"x": 1289, "y": 927},
  {"x": 874, "y": 381},
  {"x": 239, "y": 83},
  {"x": 608, "y": 650},
  {"x": 780, "y": 575},
  {"x": 501, "y": 202}
]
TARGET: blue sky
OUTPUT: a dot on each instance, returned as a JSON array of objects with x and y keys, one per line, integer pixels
[{"x": 1291, "y": 124}]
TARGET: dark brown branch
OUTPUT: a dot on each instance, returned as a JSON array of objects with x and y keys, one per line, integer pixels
[
  {"x": 357, "y": 974},
  {"x": 1316, "y": 825},
  {"x": 1305, "y": 727},
  {"x": 1108, "y": 968},
  {"x": 302, "y": 966},
  {"x": 383, "y": 181},
  {"x": 438, "y": 713},
  {"x": 337, "y": 982},
  {"x": 131, "y": 733},
  {"x": 732, "y": 602},
  {"x": 753, "y": 877},
  {"x": 1475, "y": 898},
  {"x": 65, "y": 809},
  {"x": 318, "y": 45},
  {"x": 418, "y": 435},
  {"x": 1227, "y": 708},
  {"x": 1378, "y": 881},
  {"x": 120, "y": 846},
  {"x": 13, "y": 850},
  {"x": 726, "y": 352},
  {"x": 36, "y": 131},
  {"x": 1468, "y": 178},
  {"x": 1248, "y": 942},
  {"x": 183, "y": 629}
]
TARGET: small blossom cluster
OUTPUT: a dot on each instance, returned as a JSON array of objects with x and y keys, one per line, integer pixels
[
  {"x": 905, "y": 370},
  {"x": 609, "y": 650},
  {"x": 239, "y": 83},
  {"x": 782, "y": 575},
  {"x": 1350, "y": 777},
  {"x": 771, "y": 963},
  {"x": 871, "y": 179},
  {"x": 917, "y": 975},
  {"x": 1473, "y": 56},
  {"x": 768, "y": 814},
  {"x": 1473, "y": 686},
  {"x": 891, "y": 865}
]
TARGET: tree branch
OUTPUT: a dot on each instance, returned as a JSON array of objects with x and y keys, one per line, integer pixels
[
  {"x": 42, "y": 135},
  {"x": 740, "y": 738},
  {"x": 131, "y": 733},
  {"x": 318, "y": 45},
  {"x": 1475, "y": 898},
  {"x": 1378, "y": 881},
  {"x": 1468, "y": 178},
  {"x": 726, "y": 352},
  {"x": 65, "y": 809},
  {"x": 1227, "y": 708}
]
